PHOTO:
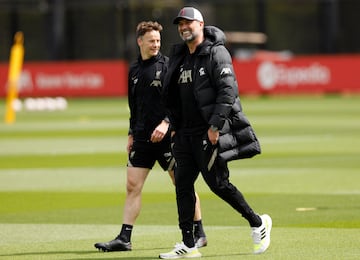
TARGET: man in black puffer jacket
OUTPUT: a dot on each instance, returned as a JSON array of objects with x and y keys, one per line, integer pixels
[{"x": 201, "y": 96}]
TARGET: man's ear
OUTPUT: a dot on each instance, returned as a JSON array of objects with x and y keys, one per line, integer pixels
[{"x": 139, "y": 41}]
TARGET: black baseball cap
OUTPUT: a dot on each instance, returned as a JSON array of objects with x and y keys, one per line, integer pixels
[{"x": 189, "y": 13}]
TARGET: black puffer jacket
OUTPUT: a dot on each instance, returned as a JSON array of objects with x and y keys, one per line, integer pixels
[{"x": 216, "y": 92}]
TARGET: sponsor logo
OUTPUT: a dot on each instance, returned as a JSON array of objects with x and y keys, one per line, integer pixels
[
  {"x": 225, "y": 71},
  {"x": 270, "y": 75},
  {"x": 185, "y": 77},
  {"x": 69, "y": 80},
  {"x": 25, "y": 81}
]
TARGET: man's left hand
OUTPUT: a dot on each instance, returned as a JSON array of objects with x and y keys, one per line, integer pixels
[{"x": 213, "y": 136}]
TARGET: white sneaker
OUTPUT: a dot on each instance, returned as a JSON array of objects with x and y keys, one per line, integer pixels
[
  {"x": 261, "y": 235},
  {"x": 181, "y": 251}
]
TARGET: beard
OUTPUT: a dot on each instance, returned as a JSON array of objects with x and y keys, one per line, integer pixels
[{"x": 189, "y": 36}]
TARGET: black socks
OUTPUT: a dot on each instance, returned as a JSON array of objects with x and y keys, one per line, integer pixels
[
  {"x": 255, "y": 221},
  {"x": 125, "y": 233},
  {"x": 198, "y": 229},
  {"x": 188, "y": 238}
]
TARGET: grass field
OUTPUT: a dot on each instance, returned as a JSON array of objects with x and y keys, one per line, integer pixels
[{"x": 62, "y": 184}]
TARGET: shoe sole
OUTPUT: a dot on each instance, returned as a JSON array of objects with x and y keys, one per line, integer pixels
[
  {"x": 181, "y": 256},
  {"x": 104, "y": 249}
]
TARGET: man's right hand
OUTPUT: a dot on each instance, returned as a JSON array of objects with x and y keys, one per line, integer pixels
[
  {"x": 130, "y": 143},
  {"x": 160, "y": 131}
]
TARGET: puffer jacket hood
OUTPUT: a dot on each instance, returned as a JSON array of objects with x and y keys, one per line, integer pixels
[{"x": 215, "y": 35}]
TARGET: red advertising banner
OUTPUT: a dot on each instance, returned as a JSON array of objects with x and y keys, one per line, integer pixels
[
  {"x": 297, "y": 75},
  {"x": 308, "y": 74},
  {"x": 70, "y": 79}
]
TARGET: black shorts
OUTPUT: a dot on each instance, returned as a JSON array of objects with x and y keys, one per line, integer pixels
[{"x": 144, "y": 154}]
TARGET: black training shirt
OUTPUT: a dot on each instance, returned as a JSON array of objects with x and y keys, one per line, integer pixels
[
  {"x": 192, "y": 121},
  {"x": 145, "y": 86}
]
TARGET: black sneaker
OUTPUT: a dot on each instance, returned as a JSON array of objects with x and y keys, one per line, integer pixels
[{"x": 114, "y": 245}]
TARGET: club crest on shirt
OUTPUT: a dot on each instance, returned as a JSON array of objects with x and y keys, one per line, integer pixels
[{"x": 157, "y": 80}]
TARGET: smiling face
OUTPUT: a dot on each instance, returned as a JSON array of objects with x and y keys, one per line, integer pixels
[
  {"x": 149, "y": 44},
  {"x": 190, "y": 30}
]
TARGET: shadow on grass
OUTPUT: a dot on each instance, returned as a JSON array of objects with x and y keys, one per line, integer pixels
[
  {"x": 101, "y": 255},
  {"x": 49, "y": 253},
  {"x": 109, "y": 255}
]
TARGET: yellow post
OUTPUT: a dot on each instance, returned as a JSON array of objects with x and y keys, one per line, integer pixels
[{"x": 15, "y": 66}]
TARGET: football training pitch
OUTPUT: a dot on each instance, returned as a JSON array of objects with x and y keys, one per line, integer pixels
[{"x": 63, "y": 173}]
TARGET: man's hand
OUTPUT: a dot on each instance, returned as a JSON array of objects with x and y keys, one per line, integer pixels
[
  {"x": 159, "y": 132},
  {"x": 130, "y": 143},
  {"x": 213, "y": 136}
]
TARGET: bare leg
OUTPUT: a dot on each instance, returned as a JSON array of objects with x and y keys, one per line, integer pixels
[
  {"x": 197, "y": 215},
  {"x": 135, "y": 181}
]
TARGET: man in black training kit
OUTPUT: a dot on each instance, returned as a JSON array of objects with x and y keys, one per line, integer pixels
[
  {"x": 201, "y": 94},
  {"x": 149, "y": 137}
]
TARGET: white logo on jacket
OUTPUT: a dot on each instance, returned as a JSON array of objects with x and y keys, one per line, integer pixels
[
  {"x": 226, "y": 71},
  {"x": 134, "y": 79},
  {"x": 202, "y": 71},
  {"x": 185, "y": 77}
]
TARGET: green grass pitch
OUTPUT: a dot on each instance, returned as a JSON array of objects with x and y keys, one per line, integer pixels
[{"x": 62, "y": 183}]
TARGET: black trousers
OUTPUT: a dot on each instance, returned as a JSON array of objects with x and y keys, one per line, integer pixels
[{"x": 192, "y": 155}]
